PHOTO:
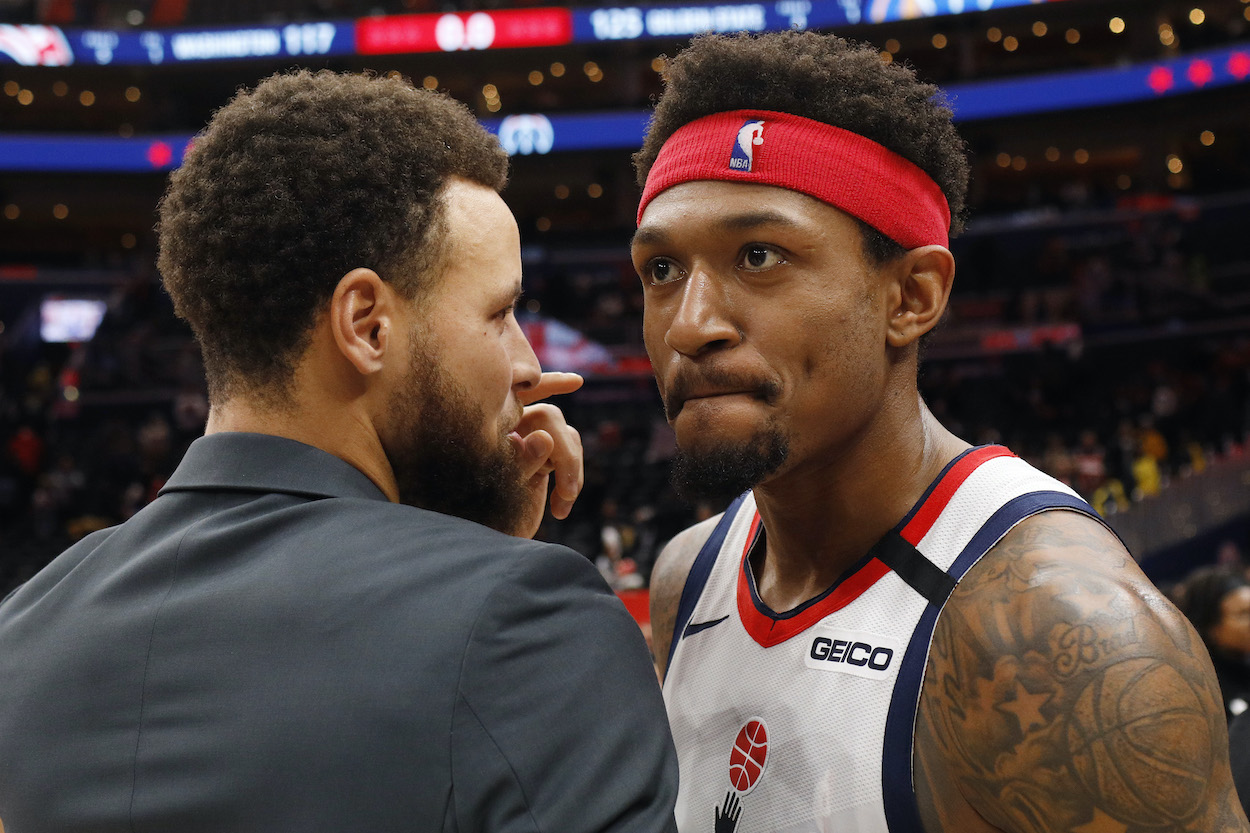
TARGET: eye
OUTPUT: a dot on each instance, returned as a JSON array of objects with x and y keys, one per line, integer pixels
[
  {"x": 661, "y": 270},
  {"x": 503, "y": 314},
  {"x": 757, "y": 257}
]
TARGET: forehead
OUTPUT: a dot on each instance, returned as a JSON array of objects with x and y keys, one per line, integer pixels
[
  {"x": 710, "y": 206},
  {"x": 478, "y": 219},
  {"x": 483, "y": 244}
]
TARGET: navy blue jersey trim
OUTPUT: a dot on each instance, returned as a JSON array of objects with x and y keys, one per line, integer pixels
[
  {"x": 1023, "y": 506},
  {"x": 911, "y": 513},
  {"x": 697, "y": 579},
  {"x": 901, "y": 812},
  {"x": 902, "y": 815},
  {"x": 767, "y": 611}
]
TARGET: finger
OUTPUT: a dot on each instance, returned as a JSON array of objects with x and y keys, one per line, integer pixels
[
  {"x": 566, "y": 456},
  {"x": 570, "y": 474},
  {"x": 534, "y": 450},
  {"x": 551, "y": 384}
]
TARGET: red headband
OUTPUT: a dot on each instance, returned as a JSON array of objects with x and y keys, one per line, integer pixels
[{"x": 833, "y": 165}]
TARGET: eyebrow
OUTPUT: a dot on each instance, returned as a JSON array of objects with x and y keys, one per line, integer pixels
[
  {"x": 655, "y": 235},
  {"x": 512, "y": 294}
]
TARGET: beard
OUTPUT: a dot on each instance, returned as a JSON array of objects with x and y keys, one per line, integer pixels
[
  {"x": 441, "y": 458},
  {"x": 723, "y": 472}
]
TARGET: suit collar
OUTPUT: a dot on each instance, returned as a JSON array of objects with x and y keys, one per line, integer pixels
[{"x": 265, "y": 463}]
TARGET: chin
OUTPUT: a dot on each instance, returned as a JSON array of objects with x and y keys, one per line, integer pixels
[
  {"x": 698, "y": 431},
  {"x": 721, "y": 468}
]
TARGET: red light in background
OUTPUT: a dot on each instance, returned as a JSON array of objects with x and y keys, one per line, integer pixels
[
  {"x": 160, "y": 154},
  {"x": 1200, "y": 73},
  {"x": 1239, "y": 65},
  {"x": 1160, "y": 80},
  {"x": 464, "y": 30}
]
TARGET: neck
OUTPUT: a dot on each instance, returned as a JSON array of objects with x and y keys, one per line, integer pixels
[
  {"x": 823, "y": 516},
  {"x": 336, "y": 428}
]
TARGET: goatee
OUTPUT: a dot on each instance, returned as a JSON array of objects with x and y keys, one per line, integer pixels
[{"x": 721, "y": 473}]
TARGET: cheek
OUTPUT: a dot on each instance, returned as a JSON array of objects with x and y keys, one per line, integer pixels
[
  {"x": 842, "y": 343},
  {"x": 479, "y": 361},
  {"x": 654, "y": 326}
]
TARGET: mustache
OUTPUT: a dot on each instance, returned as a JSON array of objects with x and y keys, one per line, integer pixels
[{"x": 687, "y": 382}]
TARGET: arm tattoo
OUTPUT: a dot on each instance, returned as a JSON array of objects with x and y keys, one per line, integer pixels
[{"x": 1064, "y": 694}]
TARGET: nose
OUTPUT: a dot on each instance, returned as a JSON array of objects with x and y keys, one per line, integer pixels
[
  {"x": 701, "y": 321},
  {"x": 526, "y": 370}
]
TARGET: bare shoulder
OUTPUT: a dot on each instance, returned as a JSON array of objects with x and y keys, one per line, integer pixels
[
  {"x": 668, "y": 578},
  {"x": 1065, "y": 693}
]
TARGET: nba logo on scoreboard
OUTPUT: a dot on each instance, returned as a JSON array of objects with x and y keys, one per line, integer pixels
[{"x": 750, "y": 136}]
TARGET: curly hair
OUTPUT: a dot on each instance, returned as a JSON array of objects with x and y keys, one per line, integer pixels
[
  {"x": 291, "y": 186},
  {"x": 824, "y": 78}
]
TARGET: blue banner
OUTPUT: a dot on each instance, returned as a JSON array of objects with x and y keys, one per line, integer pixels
[
  {"x": 539, "y": 134},
  {"x": 648, "y": 22},
  {"x": 96, "y": 154},
  {"x": 1099, "y": 87},
  {"x": 50, "y": 46}
]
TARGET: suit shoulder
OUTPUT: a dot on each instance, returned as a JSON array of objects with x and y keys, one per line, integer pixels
[{"x": 472, "y": 547}]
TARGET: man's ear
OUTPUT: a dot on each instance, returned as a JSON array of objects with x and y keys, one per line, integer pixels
[
  {"x": 924, "y": 280},
  {"x": 363, "y": 314}
]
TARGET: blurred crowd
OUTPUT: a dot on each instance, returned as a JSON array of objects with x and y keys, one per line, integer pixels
[{"x": 1139, "y": 387}]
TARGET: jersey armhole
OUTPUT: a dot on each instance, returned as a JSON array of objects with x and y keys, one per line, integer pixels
[
  {"x": 700, "y": 570},
  {"x": 898, "y": 789}
]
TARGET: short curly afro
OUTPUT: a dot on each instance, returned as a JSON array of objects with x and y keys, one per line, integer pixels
[
  {"x": 820, "y": 77},
  {"x": 291, "y": 186}
]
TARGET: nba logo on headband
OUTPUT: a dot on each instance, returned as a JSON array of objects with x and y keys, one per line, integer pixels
[
  {"x": 850, "y": 172},
  {"x": 749, "y": 135}
]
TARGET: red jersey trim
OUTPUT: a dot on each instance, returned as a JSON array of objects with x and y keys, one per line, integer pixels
[
  {"x": 768, "y": 629},
  {"x": 926, "y": 515}
]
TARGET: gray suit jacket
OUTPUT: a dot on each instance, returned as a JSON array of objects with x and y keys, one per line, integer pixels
[{"x": 271, "y": 645}]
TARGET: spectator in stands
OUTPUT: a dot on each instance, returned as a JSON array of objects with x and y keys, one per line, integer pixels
[
  {"x": 1057, "y": 460},
  {"x": 1090, "y": 460},
  {"x": 1217, "y": 602},
  {"x": 312, "y": 627}
]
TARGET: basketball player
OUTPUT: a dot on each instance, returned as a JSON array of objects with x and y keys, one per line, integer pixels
[
  {"x": 332, "y": 616},
  {"x": 888, "y": 629}
]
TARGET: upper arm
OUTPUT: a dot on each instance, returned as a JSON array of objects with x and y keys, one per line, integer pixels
[
  {"x": 668, "y": 579},
  {"x": 1065, "y": 693},
  {"x": 559, "y": 724}
]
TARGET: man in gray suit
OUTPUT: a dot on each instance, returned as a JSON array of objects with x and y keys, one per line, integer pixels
[{"x": 312, "y": 627}]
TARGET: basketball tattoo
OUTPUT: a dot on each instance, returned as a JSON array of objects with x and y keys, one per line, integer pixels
[{"x": 1088, "y": 710}]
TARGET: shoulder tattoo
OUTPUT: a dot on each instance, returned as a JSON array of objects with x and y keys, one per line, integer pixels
[{"x": 1064, "y": 693}]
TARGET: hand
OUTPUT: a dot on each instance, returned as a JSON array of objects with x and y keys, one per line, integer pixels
[
  {"x": 548, "y": 445},
  {"x": 727, "y": 822}
]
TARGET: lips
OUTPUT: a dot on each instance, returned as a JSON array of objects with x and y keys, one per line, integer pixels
[
  {"x": 717, "y": 394},
  {"x": 685, "y": 387}
]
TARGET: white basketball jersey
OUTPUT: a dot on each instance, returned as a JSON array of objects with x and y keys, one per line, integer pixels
[{"x": 802, "y": 721}]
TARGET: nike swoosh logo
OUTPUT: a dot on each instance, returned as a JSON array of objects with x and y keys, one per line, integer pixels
[{"x": 695, "y": 627}]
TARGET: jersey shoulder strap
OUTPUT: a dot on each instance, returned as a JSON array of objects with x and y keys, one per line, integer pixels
[{"x": 699, "y": 572}]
